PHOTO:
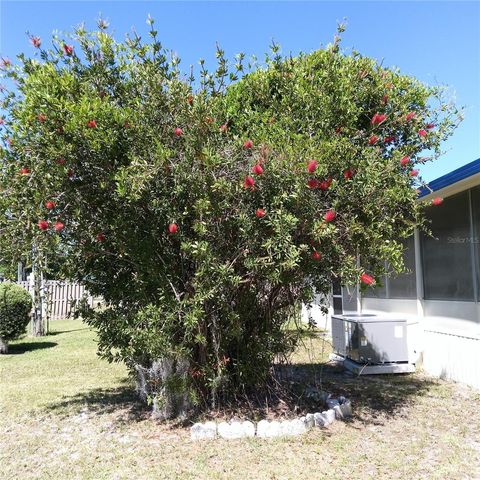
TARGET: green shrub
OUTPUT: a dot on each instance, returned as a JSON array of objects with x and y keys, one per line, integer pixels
[
  {"x": 205, "y": 212},
  {"x": 15, "y": 306}
]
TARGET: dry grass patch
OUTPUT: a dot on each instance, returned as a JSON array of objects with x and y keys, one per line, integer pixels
[{"x": 66, "y": 414}]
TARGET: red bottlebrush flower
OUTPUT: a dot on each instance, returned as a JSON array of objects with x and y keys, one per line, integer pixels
[
  {"x": 330, "y": 216},
  {"x": 260, "y": 213},
  {"x": 25, "y": 171},
  {"x": 41, "y": 117},
  {"x": 92, "y": 124},
  {"x": 367, "y": 279},
  {"x": 36, "y": 42},
  {"x": 324, "y": 185},
  {"x": 49, "y": 205},
  {"x": 208, "y": 120},
  {"x": 385, "y": 99},
  {"x": 410, "y": 116},
  {"x": 59, "y": 226},
  {"x": 190, "y": 100},
  {"x": 172, "y": 228},
  {"x": 373, "y": 140},
  {"x": 413, "y": 173},
  {"x": 60, "y": 161},
  {"x": 348, "y": 174},
  {"x": 100, "y": 237},
  {"x": 248, "y": 144},
  {"x": 404, "y": 161},
  {"x": 257, "y": 169},
  {"x": 422, "y": 132},
  {"x": 249, "y": 182},
  {"x": 378, "y": 118},
  {"x": 70, "y": 173},
  {"x": 389, "y": 139},
  {"x": 223, "y": 128},
  {"x": 429, "y": 126},
  {"x": 68, "y": 49},
  {"x": 437, "y": 201},
  {"x": 43, "y": 225},
  {"x": 312, "y": 166},
  {"x": 338, "y": 130},
  {"x": 316, "y": 255},
  {"x": 313, "y": 183},
  {"x": 178, "y": 132}
]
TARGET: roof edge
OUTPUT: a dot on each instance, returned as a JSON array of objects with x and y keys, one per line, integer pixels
[{"x": 451, "y": 178}]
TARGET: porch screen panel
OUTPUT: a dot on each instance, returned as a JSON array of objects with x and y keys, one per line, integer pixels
[
  {"x": 377, "y": 291},
  {"x": 447, "y": 257},
  {"x": 476, "y": 234},
  {"x": 404, "y": 285}
]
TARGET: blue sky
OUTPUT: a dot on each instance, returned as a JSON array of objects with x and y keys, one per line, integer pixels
[{"x": 438, "y": 42}]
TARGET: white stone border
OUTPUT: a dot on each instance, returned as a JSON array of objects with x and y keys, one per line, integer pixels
[{"x": 338, "y": 409}]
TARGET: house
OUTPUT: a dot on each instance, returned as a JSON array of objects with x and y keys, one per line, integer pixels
[{"x": 442, "y": 289}]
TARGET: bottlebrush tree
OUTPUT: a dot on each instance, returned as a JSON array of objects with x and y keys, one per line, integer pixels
[{"x": 205, "y": 211}]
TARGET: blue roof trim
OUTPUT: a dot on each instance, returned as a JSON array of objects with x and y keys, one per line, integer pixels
[{"x": 453, "y": 177}]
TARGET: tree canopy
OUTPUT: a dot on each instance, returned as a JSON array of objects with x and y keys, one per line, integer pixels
[{"x": 204, "y": 211}]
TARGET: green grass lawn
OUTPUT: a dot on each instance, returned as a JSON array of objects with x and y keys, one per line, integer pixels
[
  {"x": 48, "y": 369},
  {"x": 66, "y": 414}
]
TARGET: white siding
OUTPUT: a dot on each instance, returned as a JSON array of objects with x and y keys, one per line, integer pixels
[{"x": 453, "y": 357}]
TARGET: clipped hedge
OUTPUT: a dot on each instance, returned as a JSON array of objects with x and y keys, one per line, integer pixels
[{"x": 15, "y": 306}]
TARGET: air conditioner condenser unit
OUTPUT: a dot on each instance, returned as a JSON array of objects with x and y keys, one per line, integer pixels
[{"x": 371, "y": 343}]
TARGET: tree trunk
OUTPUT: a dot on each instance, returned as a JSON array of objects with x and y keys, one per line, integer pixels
[
  {"x": 3, "y": 346},
  {"x": 19, "y": 271},
  {"x": 38, "y": 316},
  {"x": 164, "y": 384}
]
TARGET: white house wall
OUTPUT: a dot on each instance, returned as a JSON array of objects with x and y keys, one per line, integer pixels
[
  {"x": 315, "y": 313},
  {"x": 449, "y": 337},
  {"x": 452, "y": 356},
  {"x": 405, "y": 306}
]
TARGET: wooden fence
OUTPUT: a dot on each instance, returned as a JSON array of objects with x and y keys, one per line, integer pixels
[{"x": 61, "y": 298}]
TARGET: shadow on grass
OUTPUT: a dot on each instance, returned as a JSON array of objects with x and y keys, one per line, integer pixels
[
  {"x": 307, "y": 333},
  {"x": 122, "y": 401},
  {"x": 59, "y": 332},
  {"x": 24, "y": 347},
  {"x": 374, "y": 397}
]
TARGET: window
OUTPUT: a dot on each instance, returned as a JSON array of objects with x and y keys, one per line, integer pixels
[
  {"x": 401, "y": 285},
  {"x": 447, "y": 256},
  {"x": 380, "y": 291},
  {"x": 337, "y": 305},
  {"x": 337, "y": 297}
]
